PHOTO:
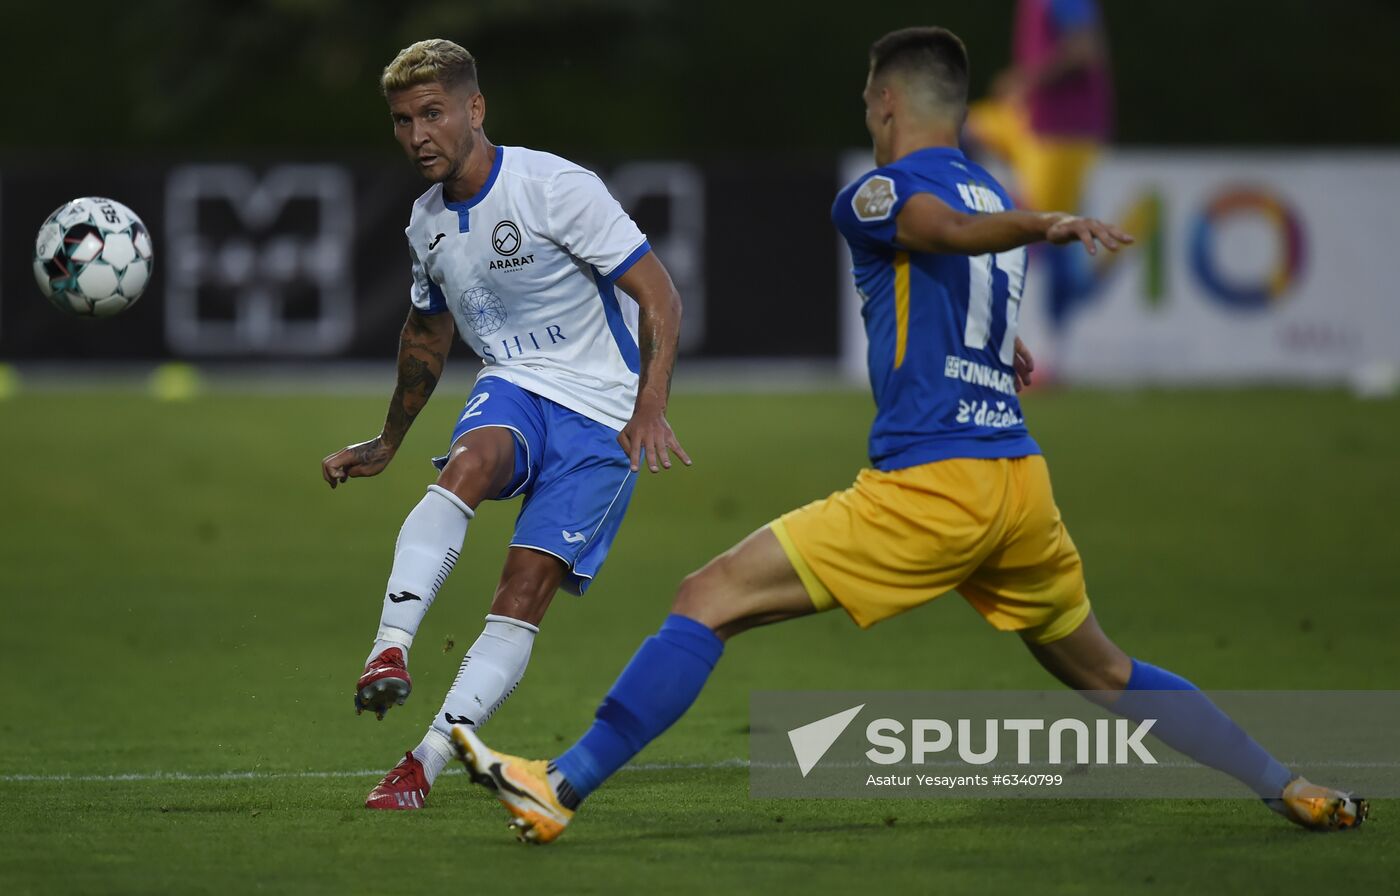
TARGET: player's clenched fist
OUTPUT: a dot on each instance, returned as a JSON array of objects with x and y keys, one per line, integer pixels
[{"x": 364, "y": 459}]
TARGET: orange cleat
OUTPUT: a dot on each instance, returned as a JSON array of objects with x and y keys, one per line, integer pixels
[
  {"x": 1320, "y": 808},
  {"x": 521, "y": 785}
]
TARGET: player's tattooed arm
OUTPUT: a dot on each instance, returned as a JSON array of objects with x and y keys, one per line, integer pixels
[
  {"x": 927, "y": 224},
  {"x": 423, "y": 347},
  {"x": 647, "y": 437}
]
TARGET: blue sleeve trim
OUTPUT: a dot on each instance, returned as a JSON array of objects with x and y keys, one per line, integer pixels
[
  {"x": 437, "y": 302},
  {"x": 612, "y": 311},
  {"x": 626, "y": 264}
]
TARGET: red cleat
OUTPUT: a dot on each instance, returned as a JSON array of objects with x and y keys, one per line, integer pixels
[
  {"x": 384, "y": 684},
  {"x": 405, "y": 787}
]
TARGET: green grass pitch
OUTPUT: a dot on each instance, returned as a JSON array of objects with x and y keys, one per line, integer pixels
[{"x": 184, "y": 595}]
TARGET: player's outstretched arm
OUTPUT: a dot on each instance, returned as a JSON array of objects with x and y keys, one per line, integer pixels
[
  {"x": 659, "y": 330},
  {"x": 927, "y": 224},
  {"x": 423, "y": 346}
]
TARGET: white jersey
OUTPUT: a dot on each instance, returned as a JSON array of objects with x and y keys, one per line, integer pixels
[{"x": 526, "y": 267}]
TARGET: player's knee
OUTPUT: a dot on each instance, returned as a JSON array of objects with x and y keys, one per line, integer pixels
[
  {"x": 690, "y": 596},
  {"x": 702, "y": 594},
  {"x": 476, "y": 473},
  {"x": 1114, "y": 673},
  {"x": 1110, "y": 673}
]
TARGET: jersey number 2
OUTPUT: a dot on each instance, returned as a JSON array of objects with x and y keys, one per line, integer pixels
[
  {"x": 981, "y": 269},
  {"x": 477, "y": 401}
]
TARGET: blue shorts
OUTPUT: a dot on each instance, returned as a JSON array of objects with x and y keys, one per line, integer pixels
[{"x": 574, "y": 475}]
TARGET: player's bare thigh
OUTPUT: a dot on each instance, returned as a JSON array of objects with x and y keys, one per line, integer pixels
[
  {"x": 749, "y": 585},
  {"x": 480, "y": 464}
]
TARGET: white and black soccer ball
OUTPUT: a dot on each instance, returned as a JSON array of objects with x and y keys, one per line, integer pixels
[{"x": 93, "y": 257}]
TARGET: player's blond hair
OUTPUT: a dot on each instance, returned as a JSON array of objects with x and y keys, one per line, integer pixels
[{"x": 426, "y": 62}]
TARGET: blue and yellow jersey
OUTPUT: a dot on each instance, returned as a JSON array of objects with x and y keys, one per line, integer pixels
[{"x": 942, "y": 328}]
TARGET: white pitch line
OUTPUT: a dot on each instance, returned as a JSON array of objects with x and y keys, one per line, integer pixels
[{"x": 635, "y": 767}]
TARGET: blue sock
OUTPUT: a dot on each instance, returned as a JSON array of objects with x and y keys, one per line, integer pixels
[
  {"x": 657, "y": 687},
  {"x": 1192, "y": 724}
]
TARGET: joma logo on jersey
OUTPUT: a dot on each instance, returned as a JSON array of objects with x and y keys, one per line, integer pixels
[{"x": 523, "y": 344}]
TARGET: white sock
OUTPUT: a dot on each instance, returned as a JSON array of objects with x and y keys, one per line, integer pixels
[
  {"x": 434, "y": 752},
  {"x": 429, "y": 543},
  {"x": 490, "y": 672}
]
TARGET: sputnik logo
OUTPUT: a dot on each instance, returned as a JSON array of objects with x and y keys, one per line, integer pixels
[{"x": 811, "y": 741}]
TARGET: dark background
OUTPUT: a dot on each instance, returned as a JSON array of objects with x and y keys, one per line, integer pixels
[
  {"x": 108, "y": 98},
  {"x": 688, "y": 79}
]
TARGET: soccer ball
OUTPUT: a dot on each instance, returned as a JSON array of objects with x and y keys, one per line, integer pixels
[{"x": 93, "y": 257}]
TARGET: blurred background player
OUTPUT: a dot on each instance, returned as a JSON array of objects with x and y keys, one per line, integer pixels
[
  {"x": 960, "y": 496},
  {"x": 521, "y": 252},
  {"x": 1049, "y": 115}
]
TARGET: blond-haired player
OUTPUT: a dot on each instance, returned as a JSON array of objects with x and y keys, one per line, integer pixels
[{"x": 530, "y": 259}]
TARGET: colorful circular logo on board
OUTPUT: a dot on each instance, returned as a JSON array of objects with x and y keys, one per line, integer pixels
[{"x": 1288, "y": 235}]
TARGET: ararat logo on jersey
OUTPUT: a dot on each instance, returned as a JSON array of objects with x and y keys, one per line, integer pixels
[
  {"x": 505, "y": 239},
  {"x": 874, "y": 199},
  {"x": 509, "y": 264}
]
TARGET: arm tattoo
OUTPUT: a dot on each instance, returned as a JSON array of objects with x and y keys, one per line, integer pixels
[{"x": 421, "y": 361}]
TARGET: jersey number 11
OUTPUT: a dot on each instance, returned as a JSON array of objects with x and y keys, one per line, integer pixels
[{"x": 983, "y": 290}]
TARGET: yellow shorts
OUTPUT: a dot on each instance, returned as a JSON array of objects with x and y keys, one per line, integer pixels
[
  {"x": 1050, "y": 171},
  {"x": 987, "y": 528}
]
